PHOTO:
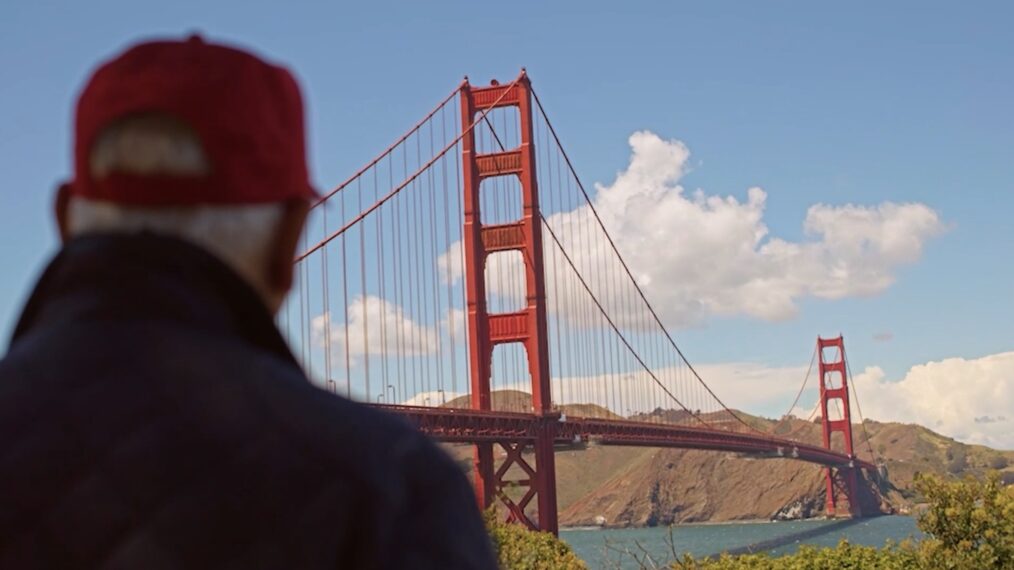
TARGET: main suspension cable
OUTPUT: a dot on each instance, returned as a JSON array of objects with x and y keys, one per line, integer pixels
[
  {"x": 859, "y": 408},
  {"x": 626, "y": 268},
  {"x": 408, "y": 180},
  {"x": 799, "y": 394},
  {"x": 613, "y": 324}
]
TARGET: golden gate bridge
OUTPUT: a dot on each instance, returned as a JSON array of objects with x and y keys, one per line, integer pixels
[{"x": 466, "y": 280}]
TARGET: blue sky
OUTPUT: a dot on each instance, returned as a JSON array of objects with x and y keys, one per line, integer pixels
[{"x": 852, "y": 103}]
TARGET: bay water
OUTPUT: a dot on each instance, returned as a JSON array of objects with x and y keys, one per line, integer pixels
[{"x": 608, "y": 548}]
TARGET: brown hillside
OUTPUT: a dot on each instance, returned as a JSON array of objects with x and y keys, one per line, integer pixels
[
  {"x": 645, "y": 486},
  {"x": 674, "y": 485},
  {"x": 517, "y": 401}
]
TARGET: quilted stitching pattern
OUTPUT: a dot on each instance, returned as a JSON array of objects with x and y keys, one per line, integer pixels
[{"x": 186, "y": 438}]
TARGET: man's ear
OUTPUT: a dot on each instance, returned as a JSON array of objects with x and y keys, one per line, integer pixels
[
  {"x": 290, "y": 228},
  {"x": 61, "y": 208}
]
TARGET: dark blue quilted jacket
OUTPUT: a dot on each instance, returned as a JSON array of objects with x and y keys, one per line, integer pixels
[{"x": 151, "y": 416}]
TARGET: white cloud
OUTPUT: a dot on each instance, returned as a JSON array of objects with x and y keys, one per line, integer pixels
[
  {"x": 450, "y": 263},
  {"x": 698, "y": 255},
  {"x": 753, "y": 387},
  {"x": 431, "y": 398},
  {"x": 746, "y": 386},
  {"x": 457, "y": 320},
  {"x": 971, "y": 400},
  {"x": 374, "y": 326}
]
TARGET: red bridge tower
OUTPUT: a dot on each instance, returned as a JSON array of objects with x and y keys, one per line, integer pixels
[
  {"x": 527, "y": 326},
  {"x": 842, "y": 482}
]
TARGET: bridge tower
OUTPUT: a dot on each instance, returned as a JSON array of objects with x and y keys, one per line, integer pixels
[
  {"x": 527, "y": 326},
  {"x": 842, "y": 481}
]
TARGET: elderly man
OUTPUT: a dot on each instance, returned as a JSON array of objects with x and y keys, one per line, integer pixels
[{"x": 151, "y": 415}]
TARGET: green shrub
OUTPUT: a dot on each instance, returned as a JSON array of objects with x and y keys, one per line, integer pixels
[
  {"x": 970, "y": 523},
  {"x": 843, "y": 556},
  {"x": 518, "y": 548}
]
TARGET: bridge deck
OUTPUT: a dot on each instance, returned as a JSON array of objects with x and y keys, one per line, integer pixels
[{"x": 458, "y": 425}]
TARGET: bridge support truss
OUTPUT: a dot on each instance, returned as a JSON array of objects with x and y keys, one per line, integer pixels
[
  {"x": 527, "y": 326},
  {"x": 842, "y": 481}
]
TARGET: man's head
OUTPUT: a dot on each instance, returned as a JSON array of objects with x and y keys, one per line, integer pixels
[{"x": 197, "y": 141}]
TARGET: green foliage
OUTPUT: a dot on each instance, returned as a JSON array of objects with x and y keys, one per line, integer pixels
[
  {"x": 844, "y": 556},
  {"x": 969, "y": 523},
  {"x": 518, "y": 548}
]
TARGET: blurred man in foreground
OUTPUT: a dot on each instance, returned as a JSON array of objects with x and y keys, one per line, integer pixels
[{"x": 151, "y": 415}]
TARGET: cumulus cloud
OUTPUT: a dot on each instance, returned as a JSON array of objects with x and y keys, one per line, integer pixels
[
  {"x": 455, "y": 320},
  {"x": 967, "y": 399},
  {"x": 701, "y": 254},
  {"x": 746, "y": 386},
  {"x": 431, "y": 398},
  {"x": 698, "y": 255},
  {"x": 450, "y": 264},
  {"x": 373, "y": 325}
]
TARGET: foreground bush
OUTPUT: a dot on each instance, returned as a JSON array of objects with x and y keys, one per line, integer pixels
[
  {"x": 518, "y": 548},
  {"x": 970, "y": 523},
  {"x": 844, "y": 556}
]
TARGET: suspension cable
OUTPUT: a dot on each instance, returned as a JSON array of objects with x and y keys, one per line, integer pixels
[
  {"x": 613, "y": 324},
  {"x": 859, "y": 408},
  {"x": 589, "y": 291},
  {"x": 408, "y": 180},
  {"x": 799, "y": 394},
  {"x": 390, "y": 148},
  {"x": 626, "y": 268}
]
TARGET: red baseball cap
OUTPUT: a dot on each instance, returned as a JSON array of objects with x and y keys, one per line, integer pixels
[{"x": 247, "y": 113}]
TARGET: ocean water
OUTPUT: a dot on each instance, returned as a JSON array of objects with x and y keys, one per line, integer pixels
[{"x": 605, "y": 548}]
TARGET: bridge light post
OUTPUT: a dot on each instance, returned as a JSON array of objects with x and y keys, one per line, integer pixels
[
  {"x": 394, "y": 394},
  {"x": 380, "y": 397}
]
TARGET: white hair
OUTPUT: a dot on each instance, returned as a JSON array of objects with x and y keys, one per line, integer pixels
[{"x": 241, "y": 235}]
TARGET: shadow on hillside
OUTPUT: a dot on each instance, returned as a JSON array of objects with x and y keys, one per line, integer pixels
[{"x": 793, "y": 538}]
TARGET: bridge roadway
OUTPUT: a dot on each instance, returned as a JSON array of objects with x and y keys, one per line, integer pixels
[{"x": 457, "y": 425}]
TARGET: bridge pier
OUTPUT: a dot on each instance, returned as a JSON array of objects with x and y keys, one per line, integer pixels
[
  {"x": 482, "y": 469},
  {"x": 843, "y": 484},
  {"x": 545, "y": 483}
]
